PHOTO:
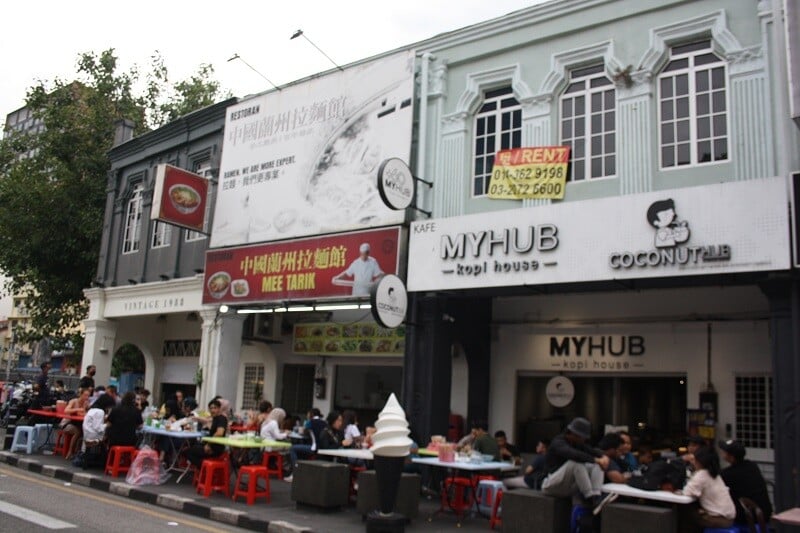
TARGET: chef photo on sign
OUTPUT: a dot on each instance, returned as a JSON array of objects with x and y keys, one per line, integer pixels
[{"x": 364, "y": 272}]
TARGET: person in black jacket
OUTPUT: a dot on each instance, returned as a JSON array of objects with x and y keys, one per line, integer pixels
[
  {"x": 332, "y": 436},
  {"x": 744, "y": 479},
  {"x": 574, "y": 468}
]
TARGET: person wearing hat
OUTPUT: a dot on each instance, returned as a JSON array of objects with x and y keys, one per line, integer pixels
[
  {"x": 365, "y": 271},
  {"x": 573, "y": 467},
  {"x": 744, "y": 479}
]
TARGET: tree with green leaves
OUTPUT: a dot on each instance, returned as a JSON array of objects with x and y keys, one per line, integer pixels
[{"x": 53, "y": 182}]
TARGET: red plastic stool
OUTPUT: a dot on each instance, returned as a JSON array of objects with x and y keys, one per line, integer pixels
[
  {"x": 278, "y": 470},
  {"x": 251, "y": 492},
  {"x": 457, "y": 494},
  {"x": 63, "y": 441},
  {"x": 214, "y": 475},
  {"x": 120, "y": 459},
  {"x": 495, "y": 519}
]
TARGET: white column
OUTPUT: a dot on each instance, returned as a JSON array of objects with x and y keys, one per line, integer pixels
[{"x": 635, "y": 132}]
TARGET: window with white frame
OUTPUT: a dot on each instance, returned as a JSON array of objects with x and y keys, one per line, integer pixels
[
  {"x": 133, "y": 221},
  {"x": 754, "y": 411},
  {"x": 203, "y": 168},
  {"x": 498, "y": 125},
  {"x": 162, "y": 233},
  {"x": 693, "y": 107},
  {"x": 589, "y": 123},
  {"x": 253, "y": 390}
]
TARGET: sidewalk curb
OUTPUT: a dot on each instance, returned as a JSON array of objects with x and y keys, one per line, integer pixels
[{"x": 197, "y": 508}]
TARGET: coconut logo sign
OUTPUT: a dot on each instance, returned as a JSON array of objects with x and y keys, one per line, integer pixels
[{"x": 669, "y": 242}]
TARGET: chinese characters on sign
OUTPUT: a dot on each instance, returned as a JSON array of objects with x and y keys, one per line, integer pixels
[
  {"x": 539, "y": 172},
  {"x": 318, "y": 267}
]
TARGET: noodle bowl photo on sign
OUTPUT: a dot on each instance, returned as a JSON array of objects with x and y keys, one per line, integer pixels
[
  {"x": 218, "y": 284},
  {"x": 184, "y": 198}
]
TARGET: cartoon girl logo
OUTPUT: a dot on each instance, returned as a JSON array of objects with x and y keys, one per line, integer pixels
[{"x": 669, "y": 230}]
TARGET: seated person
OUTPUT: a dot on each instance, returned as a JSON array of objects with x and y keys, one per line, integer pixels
[
  {"x": 94, "y": 423},
  {"x": 508, "y": 452},
  {"x": 574, "y": 468},
  {"x": 351, "y": 431},
  {"x": 695, "y": 443},
  {"x": 313, "y": 427},
  {"x": 332, "y": 436},
  {"x": 627, "y": 461},
  {"x": 257, "y": 419},
  {"x": 532, "y": 472},
  {"x": 77, "y": 406},
  {"x": 484, "y": 443},
  {"x": 611, "y": 445},
  {"x": 219, "y": 428},
  {"x": 744, "y": 479},
  {"x": 270, "y": 429},
  {"x": 123, "y": 421},
  {"x": 714, "y": 507}
]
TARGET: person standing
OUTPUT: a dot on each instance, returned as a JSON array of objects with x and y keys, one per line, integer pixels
[
  {"x": 744, "y": 479},
  {"x": 87, "y": 381},
  {"x": 573, "y": 467},
  {"x": 42, "y": 386},
  {"x": 364, "y": 270}
]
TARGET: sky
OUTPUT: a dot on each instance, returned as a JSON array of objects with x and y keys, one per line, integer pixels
[{"x": 42, "y": 40}]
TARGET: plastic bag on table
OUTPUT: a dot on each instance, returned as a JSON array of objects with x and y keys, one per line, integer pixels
[{"x": 146, "y": 469}]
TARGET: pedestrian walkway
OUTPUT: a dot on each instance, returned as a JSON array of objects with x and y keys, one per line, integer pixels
[{"x": 280, "y": 515}]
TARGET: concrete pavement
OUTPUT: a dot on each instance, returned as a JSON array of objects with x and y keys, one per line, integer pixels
[{"x": 279, "y": 516}]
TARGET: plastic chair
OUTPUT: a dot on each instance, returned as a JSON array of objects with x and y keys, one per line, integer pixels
[
  {"x": 278, "y": 470},
  {"x": 251, "y": 492},
  {"x": 63, "y": 441},
  {"x": 495, "y": 519},
  {"x": 215, "y": 474},
  {"x": 24, "y": 439},
  {"x": 756, "y": 523},
  {"x": 578, "y": 511},
  {"x": 119, "y": 460}
]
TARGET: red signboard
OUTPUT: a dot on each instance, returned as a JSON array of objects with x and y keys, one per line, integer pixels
[
  {"x": 328, "y": 266},
  {"x": 180, "y": 197}
]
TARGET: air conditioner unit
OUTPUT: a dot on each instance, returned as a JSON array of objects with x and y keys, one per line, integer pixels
[{"x": 264, "y": 327}]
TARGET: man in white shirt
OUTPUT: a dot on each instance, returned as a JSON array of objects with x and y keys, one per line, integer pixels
[{"x": 365, "y": 271}]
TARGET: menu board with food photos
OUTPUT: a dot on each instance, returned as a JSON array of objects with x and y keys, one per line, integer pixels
[{"x": 360, "y": 338}]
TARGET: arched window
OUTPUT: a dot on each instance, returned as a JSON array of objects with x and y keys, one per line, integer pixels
[
  {"x": 498, "y": 125},
  {"x": 589, "y": 123},
  {"x": 692, "y": 107}
]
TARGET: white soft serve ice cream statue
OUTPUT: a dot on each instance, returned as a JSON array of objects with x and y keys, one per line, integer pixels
[
  {"x": 391, "y": 438},
  {"x": 390, "y": 447}
]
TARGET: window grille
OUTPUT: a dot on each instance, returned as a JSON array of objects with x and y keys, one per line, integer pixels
[
  {"x": 754, "y": 419},
  {"x": 181, "y": 348},
  {"x": 253, "y": 390},
  {"x": 133, "y": 222},
  {"x": 498, "y": 126}
]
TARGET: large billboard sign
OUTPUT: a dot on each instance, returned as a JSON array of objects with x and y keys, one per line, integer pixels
[
  {"x": 304, "y": 160},
  {"x": 330, "y": 266},
  {"x": 710, "y": 229}
]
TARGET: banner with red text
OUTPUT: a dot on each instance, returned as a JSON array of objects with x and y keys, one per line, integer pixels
[{"x": 329, "y": 266}]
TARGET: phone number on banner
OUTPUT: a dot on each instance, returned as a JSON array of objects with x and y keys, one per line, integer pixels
[{"x": 528, "y": 181}]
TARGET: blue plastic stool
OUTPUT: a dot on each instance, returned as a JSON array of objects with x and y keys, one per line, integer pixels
[
  {"x": 577, "y": 512},
  {"x": 42, "y": 433},
  {"x": 732, "y": 529},
  {"x": 24, "y": 439},
  {"x": 485, "y": 495}
]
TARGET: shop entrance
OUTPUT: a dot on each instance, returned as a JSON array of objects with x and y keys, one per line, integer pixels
[
  {"x": 652, "y": 407},
  {"x": 365, "y": 389}
]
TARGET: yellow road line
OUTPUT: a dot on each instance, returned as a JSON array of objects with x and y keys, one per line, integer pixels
[{"x": 111, "y": 501}]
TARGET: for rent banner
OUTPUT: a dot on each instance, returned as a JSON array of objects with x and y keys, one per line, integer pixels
[
  {"x": 539, "y": 172},
  {"x": 330, "y": 266},
  {"x": 304, "y": 160}
]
